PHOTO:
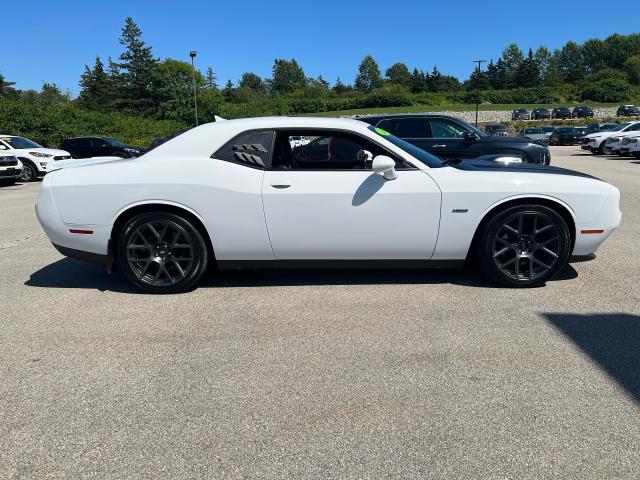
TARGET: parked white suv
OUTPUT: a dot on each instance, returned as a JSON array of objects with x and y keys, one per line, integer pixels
[
  {"x": 595, "y": 142},
  {"x": 35, "y": 158},
  {"x": 630, "y": 144},
  {"x": 10, "y": 169}
]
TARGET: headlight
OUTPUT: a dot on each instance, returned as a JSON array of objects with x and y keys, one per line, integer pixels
[
  {"x": 41, "y": 155},
  {"x": 132, "y": 150}
]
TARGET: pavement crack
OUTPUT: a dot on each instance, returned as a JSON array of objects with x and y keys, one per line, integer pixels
[{"x": 15, "y": 243}]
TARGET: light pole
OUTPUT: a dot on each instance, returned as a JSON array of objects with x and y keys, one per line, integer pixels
[
  {"x": 193, "y": 54},
  {"x": 479, "y": 62}
]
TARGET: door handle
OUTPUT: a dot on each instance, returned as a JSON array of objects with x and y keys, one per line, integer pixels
[
  {"x": 280, "y": 186},
  {"x": 439, "y": 145}
]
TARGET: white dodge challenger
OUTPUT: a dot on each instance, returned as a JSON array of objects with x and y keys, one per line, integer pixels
[{"x": 235, "y": 194}]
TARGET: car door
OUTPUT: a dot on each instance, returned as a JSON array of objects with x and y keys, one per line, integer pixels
[
  {"x": 83, "y": 147},
  {"x": 334, "y": 213}
]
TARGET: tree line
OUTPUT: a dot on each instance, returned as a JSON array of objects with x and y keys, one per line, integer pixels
[{"x": 138, "y": 83}]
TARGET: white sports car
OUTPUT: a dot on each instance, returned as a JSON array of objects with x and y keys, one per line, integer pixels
[{"x": 235, "y": 194}]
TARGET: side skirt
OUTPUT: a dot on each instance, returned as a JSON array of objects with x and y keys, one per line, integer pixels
[{"x": 336, "y": 264}]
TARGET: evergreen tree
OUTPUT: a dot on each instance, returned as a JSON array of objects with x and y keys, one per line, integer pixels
[
  {"x": 135, "y": 69},
  {"x": 6, "y": 87},
  {"x": 369, "y": 77},
  {"x": 512, "y": 58},
  {"x": 227, "y": 91},
  {"x": 96, "y": 89},
  {"x": 51, "y": 93},
  {"x": 419, "y": 81},
  {"x": 287, "y": 76},
  {"x": 211, "y": 79},
  {"x": 339, "y": 88},
  {"x": 571, "y": 62},
  {"x": 528, "y": 73}
]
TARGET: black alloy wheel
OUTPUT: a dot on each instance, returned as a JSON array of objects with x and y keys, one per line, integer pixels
[
  {"x": 524, "y": 246},
  {"x": 162, "y": 253}
]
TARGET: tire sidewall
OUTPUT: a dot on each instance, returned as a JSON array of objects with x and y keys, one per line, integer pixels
[
  {"x": 200, "y": 252},
  {"x": 485, "y": 245}
]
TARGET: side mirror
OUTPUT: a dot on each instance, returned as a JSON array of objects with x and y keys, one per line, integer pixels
[
  {"x": 386, "y": 166},
  {"x": 470, "y": 137}
]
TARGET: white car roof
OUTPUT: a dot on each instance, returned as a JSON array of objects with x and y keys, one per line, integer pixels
[{"x": 207, "y": 138}]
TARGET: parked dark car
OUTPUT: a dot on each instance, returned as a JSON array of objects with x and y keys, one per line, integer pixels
[
  {"x": 159, "y": 141},
  {"x": 600, "y": 127},
  {"x": 561, "y": 112},
  {"x": 540, "y": 113},
  {"x": 520, "y": 114},
  {"x": 497, "y": 129},
  {"x": 565, "y": 136},
  {"x": 582, "y": 111},
  {"x": 548, "y": 129},
  {"x": 449, "y": 137},
  {"x": 85, "y": 147},
  {"x": 628, "y": 111}
]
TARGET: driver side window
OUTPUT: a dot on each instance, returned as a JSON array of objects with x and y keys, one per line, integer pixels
[
  {"x": 441, "y": 128},
  {"x": 325, "y": 150}
]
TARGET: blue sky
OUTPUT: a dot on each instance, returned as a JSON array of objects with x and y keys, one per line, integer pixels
[{"x": 52, "y": 40}]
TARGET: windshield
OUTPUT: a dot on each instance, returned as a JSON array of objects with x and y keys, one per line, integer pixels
[
  {"x": 567, "y": 130},
  {"x": 113, "y": 142},
  {"x": 20, "y": 142},
  {"x": 498, "y": 128},
  {"x": 521, "y": 110},
  {"x": 621, "y": 126},
  {"x": 418, "y": 153},
  {"x": 532, "y": 130}
]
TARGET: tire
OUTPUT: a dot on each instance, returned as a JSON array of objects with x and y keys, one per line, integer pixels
[
  {"x": 160, "y": 252},
  {"x": 29, "y": 172},
  {"x": 525, "y": 259}
]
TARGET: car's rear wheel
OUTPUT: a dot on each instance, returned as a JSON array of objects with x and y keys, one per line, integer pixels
[
  {"x": 160, "y": 252},
  {"x": 29, "y": 172},
  {"x": 524, "y": 246}
]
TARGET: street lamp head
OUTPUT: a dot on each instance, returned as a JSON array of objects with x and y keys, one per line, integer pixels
[{"x": 193, "y": 53}]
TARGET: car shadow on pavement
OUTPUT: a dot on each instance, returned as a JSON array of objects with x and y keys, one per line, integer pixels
[
  {"x": 71, "y": 273},
  {"x": 612, "y": 340}
]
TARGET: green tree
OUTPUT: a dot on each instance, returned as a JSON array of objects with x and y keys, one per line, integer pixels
[
  {"x": 571, "y": 62},
  {"x": 6, "y": 87},
  {"x": 173, "y": 90},
  {"x": 340, "y": 88},
  {"x": 228, "y": 90},
  {"x": 528, "y": 72},
  {"x": 594, "y": 54},
  {"x": 97, "y": 91},
  {"x": 368, "y": 77},
  {"x": 50, "y": 93},
  {"x": 211, "y": 79},
  {"x": 632, "y": 67},
  {"x": 511, "y": 59},
  {"x": 398, "y": 74},
  {"x": 542, "y": 57},
  {"x": 418, "y": 81},
  {"x": 253, "y": 82},
  {"x": 135, "y": 70},
  {"x": 287, "y": 76}
]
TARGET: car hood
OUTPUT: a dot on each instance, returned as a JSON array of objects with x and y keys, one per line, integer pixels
[
  {"x": 478, "y": 165},
  {"x": 51, "y": 151},
  {"x": 509, "y": 140}
]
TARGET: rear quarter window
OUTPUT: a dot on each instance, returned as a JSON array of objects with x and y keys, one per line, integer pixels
[{"x": 250, "y": 149}]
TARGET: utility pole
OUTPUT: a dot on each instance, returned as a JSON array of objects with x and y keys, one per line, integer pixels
[
  {"x": 479, "y": 62},
  {"x": 193, "y": 54}
]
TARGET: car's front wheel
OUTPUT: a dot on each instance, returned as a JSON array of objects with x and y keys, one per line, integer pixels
[
  {"x": 162, "y": 253},
  {"x": 523, "y": 246},
  {"x": 29, "y": 172}
]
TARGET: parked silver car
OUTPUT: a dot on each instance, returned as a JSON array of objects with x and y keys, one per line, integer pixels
[{"x": 535, "y": 134}]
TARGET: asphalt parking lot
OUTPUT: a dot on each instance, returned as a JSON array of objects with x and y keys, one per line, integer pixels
[{"x": 340, "y": 374}]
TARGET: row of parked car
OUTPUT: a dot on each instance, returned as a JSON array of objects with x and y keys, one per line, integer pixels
[
  {"x": 623, "y": 139},
  {"x": 580, "y": 111},
  {"x": 25, "y": 160},
  {"x": 554, "y": 135}
]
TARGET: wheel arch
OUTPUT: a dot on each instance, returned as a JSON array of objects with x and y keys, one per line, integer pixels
[
  {"x": 30, "y": 162},
  {"x": 554, "y": 203},
  {"x": 128, "y": 212}
]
